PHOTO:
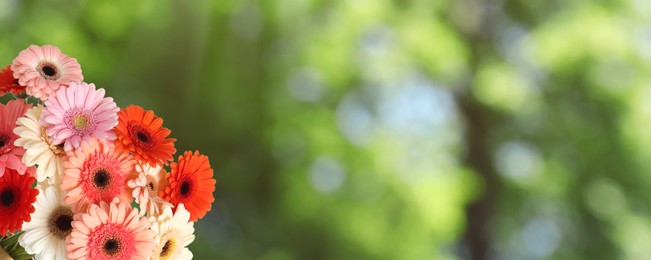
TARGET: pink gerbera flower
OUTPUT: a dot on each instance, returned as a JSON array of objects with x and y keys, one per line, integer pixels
[
  {"x": 75, "y": 114},
  {"x": 10, "y": 155},
  {"x": 43, "y": 70},
  {"x": 110, "y": 231},
  {"x": 96, "y": 172}
]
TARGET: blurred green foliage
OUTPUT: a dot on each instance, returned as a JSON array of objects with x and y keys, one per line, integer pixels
[{"x": 386, "y": 129}]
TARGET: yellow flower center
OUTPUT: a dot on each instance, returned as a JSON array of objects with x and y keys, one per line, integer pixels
[
  {"x": 80, "y": 121},
  {"x": 56, "y": 149}
]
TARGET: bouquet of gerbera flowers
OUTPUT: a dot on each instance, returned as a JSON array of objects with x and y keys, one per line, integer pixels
[{"x": 81, "y": 178}]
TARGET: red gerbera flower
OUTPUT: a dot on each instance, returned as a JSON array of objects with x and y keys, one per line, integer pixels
[
  {"x": 16, "y": 199},
  {"x": 142, "y": 132},
  {"x": 9, "y": 84},
  {"x": 191, "y": 183}
]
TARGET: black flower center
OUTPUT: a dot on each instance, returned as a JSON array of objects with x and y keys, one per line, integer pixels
[
  {"x": 151, "y": 186},
  {"x": 166, "y": 247},
  {"x": 60, "y": 222},
  {"x": 143, "y": 137},
  {"x": 49, "y": 70},
  {"x": 4, "y": 140},
  {"x": 185, "y": 188},
  {"x": 7, "y": 197},
  {"x": 101, "y": 178},
  {"x": 64, "y": 222},
  {"x": 111, "y": 246}
]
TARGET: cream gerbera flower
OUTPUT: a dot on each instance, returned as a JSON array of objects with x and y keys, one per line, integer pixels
[
  {"x": 39, "y": 149},
  {"x": 174, "y": 232},
  {"x": 45, "y": 235},
  {"x": 146, "y": 188}
]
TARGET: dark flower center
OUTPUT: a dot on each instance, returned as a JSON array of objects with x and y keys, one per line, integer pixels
[
  {"x": 4, "y": 140},
  {"x": 111, "y": 246},
  {"x": 64, "y": 222},
  {"x": 151, "y": 186},
  {"x": 168, "y": 248},
  {"x": 60, "y": 222},
  {"x": 7, "y": 197},
  {"x": 49, "y": 70},
  {"x": 101, "y": 178},
  {"x": 143, "y": 137},
  {"x": 185, "y": 188}
]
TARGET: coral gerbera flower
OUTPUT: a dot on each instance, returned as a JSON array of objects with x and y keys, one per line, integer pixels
[
  {"x": 16, "y": 198},
  {"x": 45, "y": 235},
  {"x": 150, "y": 181},
  {"x": 110, "y": 231},
  {"x": 174, "y": 232},
  {"x": 9, "y": 84},
  {"x": 43, "y": 70},
  {"x": 75, "y": 114},
  {"x": 141, "y": 132},
  {"x": 39, "y": 148},
  {"x": 10, "y": 155},
  {"x": 191, "y": 183},
  {"x": 96, "y": 172}
]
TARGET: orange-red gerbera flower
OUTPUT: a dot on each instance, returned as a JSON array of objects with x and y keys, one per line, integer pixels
[
  {"x": 9, "y": 84},
  {"x": 142, "y": 133},
  {"x": 16, "y": 199},
  {"x": 191, "y": 183}
]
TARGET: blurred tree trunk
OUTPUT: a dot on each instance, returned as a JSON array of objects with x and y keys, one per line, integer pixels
[
  {"x": 480, "y": 121},
  {"x": 478, "y": 157}
]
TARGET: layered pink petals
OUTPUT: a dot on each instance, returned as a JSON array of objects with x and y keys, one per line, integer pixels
[
  {"x": 75, "y": 114},
  {"x": 96, "y": 172},
  {"x": 107, "y": 192},
  {"x": 110, "y": 231},
  {"x": 44, "y": 70},
  {"x": 10, "y": 155}
]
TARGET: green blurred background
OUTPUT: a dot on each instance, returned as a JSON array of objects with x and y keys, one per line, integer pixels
[{"x": 386, "y": 129}]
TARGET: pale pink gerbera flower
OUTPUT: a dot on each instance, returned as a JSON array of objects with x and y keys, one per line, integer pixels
[
  {"x": 96, "y": 172},
  {"x": 146, "y": 186},
  {"x": 10, "y": 155},
  {"x": 110, "y": 231},
  {"x": 43, "y": 70},
  {"x": 75, "y": 114}
]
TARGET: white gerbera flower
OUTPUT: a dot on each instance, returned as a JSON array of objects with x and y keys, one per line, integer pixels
[
  {"x": 146, "y": 187},
  {"x": 174, "y": 232},
  {"x": 45, "y": 235},
  {"x": 38, "y": 148}
]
